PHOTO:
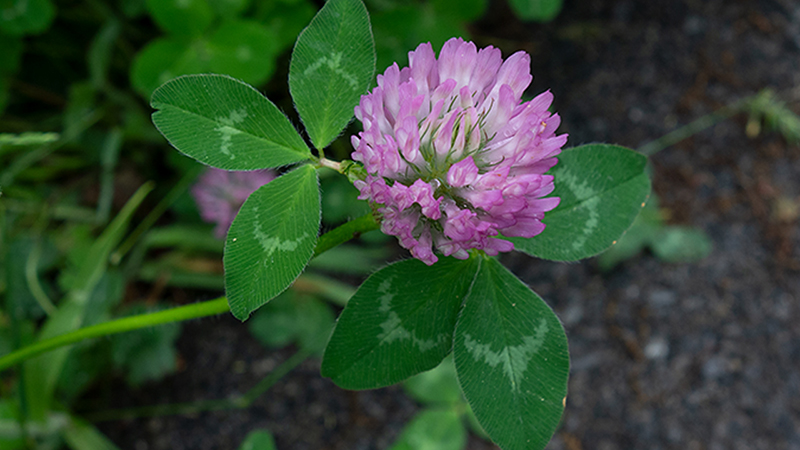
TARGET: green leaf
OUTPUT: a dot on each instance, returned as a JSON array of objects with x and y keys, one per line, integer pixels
[
  {"x": 537, "y": 10},
  {"x": 332, "y": 65},
  {"x": 225, "y": 123},
  {"x": 473, "y": 424},
  {"x": 628, "y": 246},
  {"x": 399, "y": 323},
  {"x": 271, "y": 240},
  {"x": 433, "y": 429},
  {"x": 258, "y": 440},
  {"x": 181, "y": 17},
  {"x": 511, "y": 360},
  {"x": 243, "y": 49},
  {"x": 680, "y": 244},
  {"x": 285, "y": 19},
  {"x": 20, "y": 17},
  {"x": 602, "y": 189},
  {"x": 438, "y": 385},
  {"x": 646, "y": 226},
  {"x": 162, "y": 60}
]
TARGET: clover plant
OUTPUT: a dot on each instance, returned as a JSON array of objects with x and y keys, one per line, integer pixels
[{"x": 453, "y": 164}]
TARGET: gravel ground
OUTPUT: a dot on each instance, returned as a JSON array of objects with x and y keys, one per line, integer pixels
[{"x": 664, "y": 356}]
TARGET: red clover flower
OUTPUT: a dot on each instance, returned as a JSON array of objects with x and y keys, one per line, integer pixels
[
  {"x": 453, "y": 155},
  {"x": 220, "y": 193}
]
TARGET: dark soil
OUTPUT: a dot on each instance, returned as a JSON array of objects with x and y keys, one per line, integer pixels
[{"x": 691, "y": 356}]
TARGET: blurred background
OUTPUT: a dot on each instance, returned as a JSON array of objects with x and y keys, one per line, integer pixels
[{"x": 682, "y": 336}]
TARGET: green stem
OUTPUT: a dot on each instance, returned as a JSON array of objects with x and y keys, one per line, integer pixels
[
  {"x": 692, "y": 128},
  {"x": 323, "y": 162},
  {"x": 239, "y": 402},
  {"x": 263, "y": 386},
  {"x": 34, "y": 156},
  {"x": 345, "y": 232},
  {"x": 193, "y": 311},
  {"x": 326, "y": 242}
]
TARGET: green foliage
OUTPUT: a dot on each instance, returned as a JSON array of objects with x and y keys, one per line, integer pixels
[
  {"x": 669, "y": 243},
  {"x": 400, "y": 26},
  {"x": 249, "y": 130},
  {"x": 271, "y": 240},
  {"x": 404, "y": 313},
  {"x": 767, "y": 108},
  {"x": 433, "y": 429},
  {"x": 258, "y": 440},
  {"x": 286, "y": 18},
  {"x": 405, "y": 319},
  {"x": 340, "y": 199},
  {"x": 218, "y": 36},
  {"x": 508, "y": 338},
  {"x": 242, "y": 48},
  {"x": 188, "y": 18},
  {"x": 437, "y": 386},
  {"x": 536, "y": 10},
  {"x": 42, "y": 373},
  {"x": 21, "y": 17},
  {"x": 332, "y": 65},
  {"x": 591, "y": 180}
]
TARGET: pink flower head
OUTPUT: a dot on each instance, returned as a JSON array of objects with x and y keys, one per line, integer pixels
[
  {"x": 453, "y": 155},
  {"x": 220, "y": 193}
]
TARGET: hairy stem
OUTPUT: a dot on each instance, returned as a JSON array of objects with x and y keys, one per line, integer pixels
[
  {"x": 324, "y": 162},
  {"x": 345, "y": 232}
]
